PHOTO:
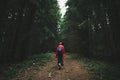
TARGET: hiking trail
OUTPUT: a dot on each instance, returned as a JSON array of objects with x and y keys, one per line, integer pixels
[{"x": 72, "y": 70}]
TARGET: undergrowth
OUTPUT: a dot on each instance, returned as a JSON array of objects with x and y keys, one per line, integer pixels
[
  {"x": 102, "y": 70},
  {"x": 10, "y": 71}
]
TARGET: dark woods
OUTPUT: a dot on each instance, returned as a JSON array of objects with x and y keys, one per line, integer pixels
[
  {"x": 91, "y": 28},
  {"x": 27, "y": 27}
]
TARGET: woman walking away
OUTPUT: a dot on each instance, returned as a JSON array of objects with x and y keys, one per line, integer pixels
[{"x": 60, "y": 52}]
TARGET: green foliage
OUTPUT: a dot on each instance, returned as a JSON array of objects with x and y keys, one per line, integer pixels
[
  {"x": 103, "y": 70},
  {"x": 11, "y": 71},
  {"x": 83, "y": 24},
  {"x": 75, "y": 56},
  {"x": 91, "y": 27},
  {"x": 27, "y": 27}
]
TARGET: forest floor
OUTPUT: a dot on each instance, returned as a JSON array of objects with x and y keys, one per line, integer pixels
[{"x": 72, "y": 70}]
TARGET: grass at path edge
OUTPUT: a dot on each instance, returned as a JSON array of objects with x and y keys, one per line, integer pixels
[
  {"x": 11, "y": 71},
  {"x": 102, "y": 70}
]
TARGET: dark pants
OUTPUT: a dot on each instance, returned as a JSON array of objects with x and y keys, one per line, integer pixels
[{"x": 60, "y": 58}]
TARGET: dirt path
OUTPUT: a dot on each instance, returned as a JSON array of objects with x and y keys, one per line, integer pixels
[{"x": 72, "y": 70}]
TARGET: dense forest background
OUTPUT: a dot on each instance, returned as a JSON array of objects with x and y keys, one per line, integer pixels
[
  {"x": 27, "y": 27},
  {"x": 89, "y": 27}
]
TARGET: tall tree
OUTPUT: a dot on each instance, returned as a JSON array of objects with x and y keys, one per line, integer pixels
[
  {"x": 91, "y": 27},
  {"x": 27, "y": 27}
]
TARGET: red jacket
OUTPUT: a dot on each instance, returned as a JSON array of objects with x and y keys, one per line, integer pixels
[{"x": 63, "y": 49}]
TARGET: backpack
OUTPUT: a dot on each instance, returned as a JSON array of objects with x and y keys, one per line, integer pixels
[{"x": 59, "y": 49}]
